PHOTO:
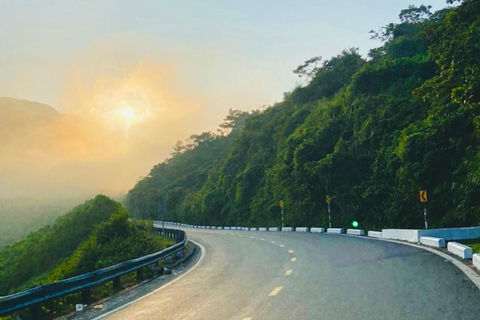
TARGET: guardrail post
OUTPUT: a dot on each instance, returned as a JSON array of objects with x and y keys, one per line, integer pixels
[
  {"x": 116, "y": 283},
  {"x": 86, "y": 296},
  {"x": 35, "y": 311},
  {"x": 140, "y": 274}
]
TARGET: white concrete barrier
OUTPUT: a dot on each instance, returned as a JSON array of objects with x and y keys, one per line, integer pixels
[
  {"x": 413, "y": 235},
  {"x": 262, "y": 229},
  {"x": 433, "y": 242},
  {"x": 476, "y": 260},
  {"x": 287, "y": 229},
  {"x": 301, "y": 229},
  {"x": 335, "y": 230},
  {"x": 356, "y": 232},
  {"x": 375, "y": 234},
  {"x": 317, "y": 230},
  {"x": 460, "y": 250},
  {"x": 253, "y": 229},
  {"x": 273, "y": 229}
]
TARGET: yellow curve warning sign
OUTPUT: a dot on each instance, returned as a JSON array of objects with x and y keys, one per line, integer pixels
[{"x": 423, "y": 196}]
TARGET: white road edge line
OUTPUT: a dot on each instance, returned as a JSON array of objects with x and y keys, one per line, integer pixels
[{"x": 202, "y": 257}]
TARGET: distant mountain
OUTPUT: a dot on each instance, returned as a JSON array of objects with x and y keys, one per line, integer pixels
[{"x": 11, "y": 106}]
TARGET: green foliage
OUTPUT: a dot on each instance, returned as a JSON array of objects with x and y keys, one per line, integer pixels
[
  {"x": 41, "y": 251},
  {"x": 370, "y": 133},
  {"x": 93, "y": 235}
]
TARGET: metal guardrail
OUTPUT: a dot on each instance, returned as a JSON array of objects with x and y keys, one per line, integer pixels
[{"x": 35, "y": 296}]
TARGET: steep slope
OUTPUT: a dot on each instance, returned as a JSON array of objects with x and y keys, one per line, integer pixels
[{"x": 369, "y": 133}]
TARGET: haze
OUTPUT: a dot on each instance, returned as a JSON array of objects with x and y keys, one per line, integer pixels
[{"x": 177, "y": 65}]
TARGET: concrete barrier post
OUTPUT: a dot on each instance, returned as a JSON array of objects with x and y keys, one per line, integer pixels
[
  {"x": 460, "y": 250},
  {"x": 476, "y": 260},
  {"x": 355, "y": 232},
  {"x": 335, "y": 230},
  {"x": 433, "y": 242},
  {"x": 375, "y": 234},
  {"x": 301, "y": 229}
]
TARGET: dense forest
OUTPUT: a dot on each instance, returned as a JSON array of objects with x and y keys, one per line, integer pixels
[
  {"x": 91, "y": 236},
  {"x": 369, "y": 132}
]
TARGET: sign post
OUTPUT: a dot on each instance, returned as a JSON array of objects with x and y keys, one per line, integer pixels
[
  {"x": 329, "y": 199},
  {"x": 424, "y": 199},
  {"x": 281, "y": 209},
  {"x": 162, "y": 208}
]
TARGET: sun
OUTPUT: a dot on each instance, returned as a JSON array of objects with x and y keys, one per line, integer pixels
[{"x": 128, "y": 113}]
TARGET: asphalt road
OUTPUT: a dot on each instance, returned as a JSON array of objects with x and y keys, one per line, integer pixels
[{"x": 284, "y": 275}]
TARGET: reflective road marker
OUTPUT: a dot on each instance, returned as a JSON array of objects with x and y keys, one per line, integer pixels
[{"x": 275, "y": 291}]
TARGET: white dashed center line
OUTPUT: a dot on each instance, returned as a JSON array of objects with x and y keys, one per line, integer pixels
[
  {"x": 281, "y": 246},
  {"x": 275, "y": 291},
  {"x": 293, "y": 259},
  {"x": 289, "y": 272},
  {"x": 290, "y": 251},
  {"x": 262, "y": 239},
  {"x": 272, "y": 241},
  {"x": 247, "y": 318}
]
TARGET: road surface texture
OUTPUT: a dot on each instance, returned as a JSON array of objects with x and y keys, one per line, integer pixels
[{"x": 288, "y": 275}]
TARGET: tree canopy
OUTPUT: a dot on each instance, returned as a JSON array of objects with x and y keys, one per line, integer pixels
[{"x": 371, "y": 133}]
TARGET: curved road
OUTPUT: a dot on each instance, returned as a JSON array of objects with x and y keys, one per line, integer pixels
[{"x": 287, "y": 275}]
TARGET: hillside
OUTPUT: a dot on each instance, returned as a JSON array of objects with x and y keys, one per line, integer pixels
[
  {"x": 368, "y": 132},
  {"x": 93, "y": 235}
]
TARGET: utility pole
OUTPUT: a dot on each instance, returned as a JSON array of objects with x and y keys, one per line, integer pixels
[
  {"x": 163, "y": 215},
  {"x": 162, "y": 207},
  {"x": 329, "y": 199}
]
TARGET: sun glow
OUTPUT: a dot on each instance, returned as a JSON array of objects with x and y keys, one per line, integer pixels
[{"x": 128, "y": 113}]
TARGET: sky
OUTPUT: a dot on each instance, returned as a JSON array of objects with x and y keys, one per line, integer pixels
[{"x": 180, "y": 65}]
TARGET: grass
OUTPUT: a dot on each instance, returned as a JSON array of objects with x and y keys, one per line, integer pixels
[{"x": 473, "y": 243}]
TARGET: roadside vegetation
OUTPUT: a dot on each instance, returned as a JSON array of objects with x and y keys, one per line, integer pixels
[
  {"x": 369, "y": 132},
  {"x": 94, "y": 235}
]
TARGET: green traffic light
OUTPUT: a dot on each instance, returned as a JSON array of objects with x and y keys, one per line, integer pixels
[{"x": 354, "y": 224}]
